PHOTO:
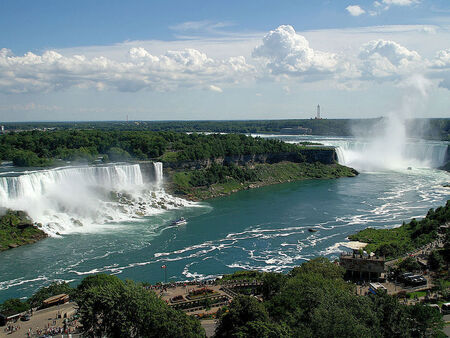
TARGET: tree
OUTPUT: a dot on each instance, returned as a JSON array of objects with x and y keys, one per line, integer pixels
[
  {"x": 435, "y": 260},
  {"x": 52, "y": 290},
  {"x": 409, "y": 264},
  {"x": 272, "y": 284},
  {"x": 13, "y": 306},
  {"x": 424, "y": 321},
  {"x": 112, "y": 308},
  {"x": 245, "y": 314},
  {"x": 319, "y": 265}
]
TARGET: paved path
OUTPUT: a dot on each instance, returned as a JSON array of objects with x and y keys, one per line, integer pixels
[
  {"x": 210, "y": 326},
  {"x": 447, "y": 326},
  {"x": 41, "y": 319}
]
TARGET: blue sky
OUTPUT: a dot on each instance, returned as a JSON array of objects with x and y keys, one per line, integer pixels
[{"x": 103, "y": 60}]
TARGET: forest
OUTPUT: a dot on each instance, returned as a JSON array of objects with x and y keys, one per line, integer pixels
[
  {"x": 42, "y": 148},
  {"x": 435, "y": 128}
]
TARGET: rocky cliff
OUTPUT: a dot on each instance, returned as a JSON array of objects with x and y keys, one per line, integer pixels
[{"x": 324, "y": 155}]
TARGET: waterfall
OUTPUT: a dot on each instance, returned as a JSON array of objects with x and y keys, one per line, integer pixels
[
  {"x": 159, "y": 177},
  {"x": 74, "y": 199},
  {"x": 364, "y": 155}
]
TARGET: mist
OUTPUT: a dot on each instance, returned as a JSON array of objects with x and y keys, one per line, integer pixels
[{"x": 385, "y": 144}]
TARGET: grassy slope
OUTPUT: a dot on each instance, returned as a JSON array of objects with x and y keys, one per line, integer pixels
[
  {"x": 16, "y": 229},
  {"x": 398, "y": 241},
  {"x": 266, "y": 174}
]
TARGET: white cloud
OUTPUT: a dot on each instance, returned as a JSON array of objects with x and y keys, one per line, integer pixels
[
  {"x": 400, "y": 2},
  {"x": 387, "y": 59},
  {"x": 441, "y": 68},
  {"x": 442, "y": 59},
  {"x": 201, "y": 26},
  {"x": 183, "y": 68},
  {"x": 342, "y": 57},
  {"x": 215, "y": 89},
  {"x": 355, "y": 10},
  {"x": 288, "y": 53}
]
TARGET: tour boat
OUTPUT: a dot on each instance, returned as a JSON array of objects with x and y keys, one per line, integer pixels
[{"x": 179, "y": 221}]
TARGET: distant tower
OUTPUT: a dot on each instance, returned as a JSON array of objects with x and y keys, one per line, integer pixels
[
  {"x": 2, "y": 130},
  {"x": 318, "y": 112}
]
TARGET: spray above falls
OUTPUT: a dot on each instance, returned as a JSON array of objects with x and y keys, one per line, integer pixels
[
  {"x": 386, "y": 147},
  {"x": 84, "y": 199}
]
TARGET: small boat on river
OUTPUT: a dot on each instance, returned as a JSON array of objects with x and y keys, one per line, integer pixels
[
  {"x": 312, "y": 230},
  {"x": 180, "y": 221}
]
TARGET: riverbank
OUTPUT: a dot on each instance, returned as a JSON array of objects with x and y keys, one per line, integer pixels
[
  {"x": 209, "y": 183},
  {"x": 396, "y": 242},
  {"x": 16, "y": 229}
]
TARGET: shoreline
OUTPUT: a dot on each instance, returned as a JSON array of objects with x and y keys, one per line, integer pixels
[{"x": 269, "y": 174}]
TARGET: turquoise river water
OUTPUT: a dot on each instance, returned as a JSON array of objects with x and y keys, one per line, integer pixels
[{"x": 264, "y": 229}]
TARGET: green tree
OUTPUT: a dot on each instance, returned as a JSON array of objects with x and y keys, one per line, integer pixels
[
  {"x": 435, "y": 260},
  {"x": 243, "y": 310},
  {"x": 118, "y": 154},
  {"x": 110, "y": 307},
  {"x": 321, "y": 266},
  {"x": 272, "y": 284},
  {"x": 409, "y": 264},
  {"x": 13, "y": 306},
  {"x": 52, "y": 290}
]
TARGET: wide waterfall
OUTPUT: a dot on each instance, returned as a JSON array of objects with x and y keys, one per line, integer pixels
[
  {"x": 87, "y": 198},
  {"x": 367, "y": 155}
]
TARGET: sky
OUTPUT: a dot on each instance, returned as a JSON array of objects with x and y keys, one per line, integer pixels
[{"x": 218, "y": 60}]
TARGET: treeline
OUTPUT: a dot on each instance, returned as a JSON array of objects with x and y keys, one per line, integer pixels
[
  {"x": 313, "y": 300},
  {"x": 435, "y": 128},
  {"x": 217, "y": 180},
  {"x": 40, "y": 148},
  {"x": 396, "y": 242},
  {"x": 110, "y": 307}
]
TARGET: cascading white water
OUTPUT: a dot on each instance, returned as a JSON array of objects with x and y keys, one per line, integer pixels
[
  {"x": 159, "y": 176},
  {"x": 365, "y": 155},
  {"x": 84, "y": 199}
]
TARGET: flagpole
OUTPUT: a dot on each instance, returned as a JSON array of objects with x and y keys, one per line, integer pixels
[{"x": 165, "y": 273}]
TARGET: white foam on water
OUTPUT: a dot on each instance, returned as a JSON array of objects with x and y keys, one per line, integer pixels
[{"x": 88, "y": 198}]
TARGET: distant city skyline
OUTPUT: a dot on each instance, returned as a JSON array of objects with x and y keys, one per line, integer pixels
[{"x": 203, "y": 60}]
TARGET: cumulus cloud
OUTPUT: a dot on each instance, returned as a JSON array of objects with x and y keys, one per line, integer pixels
[
  {"x": 442, "y": 59},
  {"x": 399, "y": 2},
  {"x": 440, "y": 68},
  {"x": 142, "y": 70},
  {"x": 387, "y": 59},
  {"x": 288, "y": 53},
  {"x": 355, "y": 10}
]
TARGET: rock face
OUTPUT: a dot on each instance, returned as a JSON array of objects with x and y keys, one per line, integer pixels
[
  {"x": 309, "y": 155},
  {"x": 16, "y": 229}
]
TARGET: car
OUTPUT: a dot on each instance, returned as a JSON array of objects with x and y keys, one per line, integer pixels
[{"x": 25, "y": 318}]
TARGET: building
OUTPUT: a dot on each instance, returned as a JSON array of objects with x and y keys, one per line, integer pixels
[
  {"x": 318, "y": 113},
  {"x": 2, "y": 130},
  {"x": 362, "y": 266}
]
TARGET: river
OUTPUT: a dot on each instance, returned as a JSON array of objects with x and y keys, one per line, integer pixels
[{"x": 264, "y": 229}]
